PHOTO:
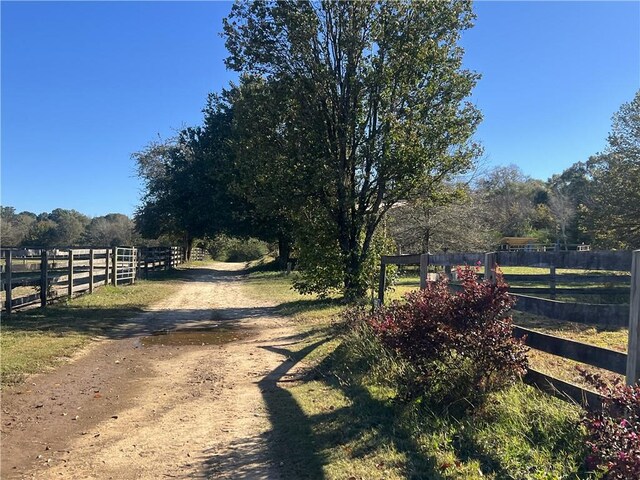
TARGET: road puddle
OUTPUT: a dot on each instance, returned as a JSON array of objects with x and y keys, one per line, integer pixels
[{"x": 194, "y": 336}]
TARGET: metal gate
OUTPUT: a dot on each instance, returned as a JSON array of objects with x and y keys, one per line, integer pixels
[{"x": 125, "y": 262}]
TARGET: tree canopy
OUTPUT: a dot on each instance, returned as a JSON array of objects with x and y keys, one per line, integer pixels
[
  {"x": 373, "y": 95},
  {"x": 613, "y": 209}
]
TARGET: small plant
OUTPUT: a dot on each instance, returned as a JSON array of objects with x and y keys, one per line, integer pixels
[
  {"x": 613, "y": 434},
  {"x": 459, "y": 343}
]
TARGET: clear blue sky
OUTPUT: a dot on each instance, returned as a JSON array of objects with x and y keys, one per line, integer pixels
[{"x": 85, "y": 84}]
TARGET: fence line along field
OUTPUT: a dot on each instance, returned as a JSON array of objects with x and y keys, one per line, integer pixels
[
  {"x": 554, "y": 294},
  {"x": 32, "y": 276}
]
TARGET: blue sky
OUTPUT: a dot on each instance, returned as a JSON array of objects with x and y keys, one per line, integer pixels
[{"x": 85, "y": 84}]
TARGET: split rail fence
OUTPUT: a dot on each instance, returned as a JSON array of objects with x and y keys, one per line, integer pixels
[
  {"x": 616, "y": 316},
  {"x": 31, "y": 277}
]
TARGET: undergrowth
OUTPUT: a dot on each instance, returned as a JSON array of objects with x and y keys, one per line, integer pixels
[{"x": 516, "y": 433}]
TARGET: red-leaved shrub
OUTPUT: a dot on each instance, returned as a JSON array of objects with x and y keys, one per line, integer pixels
[
  {"x": 613, "y": 434},
  {"x": 460, "y": 343}
]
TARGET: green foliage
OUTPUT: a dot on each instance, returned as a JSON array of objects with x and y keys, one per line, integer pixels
[
  {"x": 460, "y": 344},
  {"x": 112, "y": 230},
  {"x": 517, "y": 433},
  {"x": 366, "y": 105},
  {"x": 601, "y": 196},
  {"x": 232, "y": 249},
  {"x": 60, "y": 228},
  {"x": 613, "y": 210},
  {"x": 186, "y": 180}
]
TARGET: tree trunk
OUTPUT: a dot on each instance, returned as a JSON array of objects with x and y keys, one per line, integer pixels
[
  {"x": 355, "y": 286},
  {"x": 187, "y": 245},
  {"x": 284, "y": 251}
]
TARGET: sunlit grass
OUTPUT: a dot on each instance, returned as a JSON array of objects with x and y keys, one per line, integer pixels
[{"x": 346, "y": 422}]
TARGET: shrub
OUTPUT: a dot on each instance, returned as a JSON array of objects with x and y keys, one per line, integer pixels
[
  {"x": 231, "y": 249},
  {"x": 459, "y": 343},
  {"x": 613, "y": 434}
]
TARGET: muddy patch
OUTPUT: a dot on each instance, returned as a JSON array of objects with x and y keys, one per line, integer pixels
[{"x": 217, "y": 335}]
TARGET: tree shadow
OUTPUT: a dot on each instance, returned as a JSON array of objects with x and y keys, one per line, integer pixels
[
  {"x": 298, "y": 442},
  {"x": 121, "y": 323}
]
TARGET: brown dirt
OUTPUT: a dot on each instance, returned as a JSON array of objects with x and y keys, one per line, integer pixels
[{"x": 123, "y": 410}]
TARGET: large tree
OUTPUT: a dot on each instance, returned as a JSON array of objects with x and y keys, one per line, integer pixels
[
  {"x": 455, "y": 223},
  {"x": 614, "y": 207},
  {"x": 375, "y": 93},
  {"x": 514, "y": 203},
  {"x": 112, "y": 229},
  {"x": 186, "y": 179},
  {"x": 15, "y": 227}
]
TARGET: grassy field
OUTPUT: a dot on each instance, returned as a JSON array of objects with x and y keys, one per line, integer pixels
[
  {"x": 33, "y": 340},
  {"x": 345, "y": 420}
]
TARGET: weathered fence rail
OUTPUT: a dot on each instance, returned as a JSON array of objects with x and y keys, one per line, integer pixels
[
  {"x": 30, "y": 276},
  {"x": 604, "y": 315},
  {"x": 601, "y": 314}
]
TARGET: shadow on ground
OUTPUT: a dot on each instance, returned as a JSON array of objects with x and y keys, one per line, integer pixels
[
  {"x": 126, "y": 322},
  {"x": 298, "y": 443}
]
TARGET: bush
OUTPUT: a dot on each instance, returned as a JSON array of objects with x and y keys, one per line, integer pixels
[
  {"x": 613, "y": 435},
  {"x": 459, "y": 343},
  {"x": 230, "y": 249}
]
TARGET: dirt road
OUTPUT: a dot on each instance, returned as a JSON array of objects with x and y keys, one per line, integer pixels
[{"x": 166, "y": 406}]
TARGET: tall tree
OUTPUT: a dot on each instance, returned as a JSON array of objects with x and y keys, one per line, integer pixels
[
  {"x": 270, "y": 189},
  {"x": 563, "y": 210},
  {"x": 186, "y": 180},
  {"x": 614, "y": 207},
  {"x": 575, "y": 183},
  {"x": 70, "y": 227},
  {"x": 510, "y": 198},
  {"x": 456, "y": 223},
  {"x": 14, "y": 227},
  {"x": 113, "y": 229},
  {"x": 376, "y": 97}
]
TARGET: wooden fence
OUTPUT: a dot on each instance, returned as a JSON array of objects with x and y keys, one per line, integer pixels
[
  {"x": 605, "y": 315},
  {"x": 40, "y": 276}
]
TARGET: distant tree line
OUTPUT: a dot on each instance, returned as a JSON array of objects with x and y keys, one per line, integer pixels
[
  {"x": 65, "y": 228},
  {"x": 595, "y": 202}
]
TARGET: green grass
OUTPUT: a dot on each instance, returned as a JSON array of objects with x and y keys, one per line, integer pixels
[
  {"x": 34, "y": 340},
  {"x": 344, "y": 419}
]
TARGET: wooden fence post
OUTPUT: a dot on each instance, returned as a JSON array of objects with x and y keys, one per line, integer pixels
[
  {"x": 106, "y": 266},
  {"x": 552, "y": 281},
  {"x": 70, "y": 287},
  {"x": 114, "y": 277},
  {"x": 490, "y": 267},
  {"x": 633, "y": 348},
  {"x": 8, "y": 254},
  {"x": 424, "y": 270},
  {"x": 383, "y": 280},
  {"x": 145, "y": 262},
  {"x": 44, "y": 277},
  {"x": 91, "y": 270}
]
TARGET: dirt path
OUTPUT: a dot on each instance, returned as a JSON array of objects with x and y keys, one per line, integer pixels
[{"x": 125, "y": 409}]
